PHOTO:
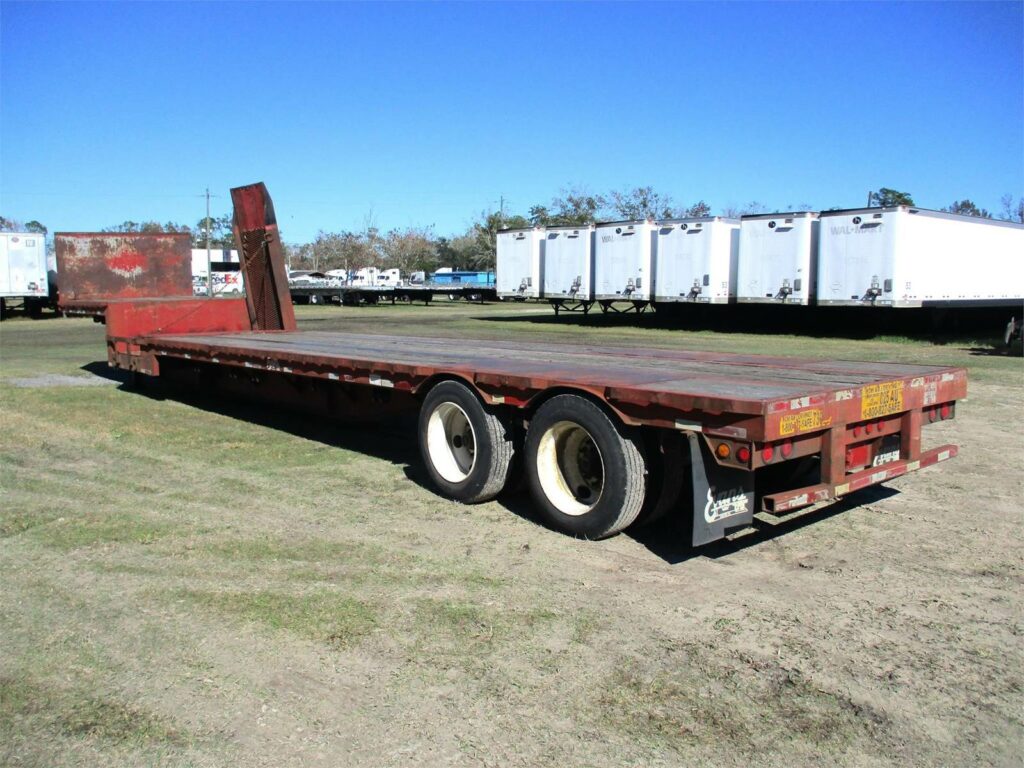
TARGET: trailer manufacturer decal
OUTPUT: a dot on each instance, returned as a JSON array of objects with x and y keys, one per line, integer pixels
[
  {"x": 803, "y": 422},
  {"x": 881, "y": 399},
  {"x": 727, "y": 506}
]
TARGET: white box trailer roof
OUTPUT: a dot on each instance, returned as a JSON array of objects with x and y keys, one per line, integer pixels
[
  {"x": 519, "y": 263},
  {"x": 911, "y": 257},
  {"x": 623, "y": 261},
  {"x": 776, "y": 261},
  {"x": 567, "y": 263},
  {"x": 23, "y": 265},
  {"x": 224, "y": 255},
  {"x": 695, "y": 259}
]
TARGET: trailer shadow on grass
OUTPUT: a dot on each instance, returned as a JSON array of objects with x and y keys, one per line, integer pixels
[
  {"x": 669, "y": 538},
  {"x": 935, "y": 326},
  {"x": 389, "y": 439},
  {"x": 393, "y": 439}
]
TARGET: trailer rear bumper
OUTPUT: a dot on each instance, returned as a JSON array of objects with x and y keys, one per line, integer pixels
[{"x": 788, "y": 501}]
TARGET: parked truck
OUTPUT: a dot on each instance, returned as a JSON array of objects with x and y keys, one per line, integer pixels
[
  {"x": 23, "y": 272},
  {"x": 606, "y": 436}
]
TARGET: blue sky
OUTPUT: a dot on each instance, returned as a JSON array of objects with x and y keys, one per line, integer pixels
[{"x": 426, "y": 114}]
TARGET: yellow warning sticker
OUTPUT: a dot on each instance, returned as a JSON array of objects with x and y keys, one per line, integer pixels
[
  {"x": 803, "y": 422},
  {"x": 881, "y": 399}
]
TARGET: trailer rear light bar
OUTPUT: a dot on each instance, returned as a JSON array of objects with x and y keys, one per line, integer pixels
[{"x": 788, "y": 501}]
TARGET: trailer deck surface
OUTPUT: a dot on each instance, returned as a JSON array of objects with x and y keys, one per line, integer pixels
[{"x": 747, "y": 384}]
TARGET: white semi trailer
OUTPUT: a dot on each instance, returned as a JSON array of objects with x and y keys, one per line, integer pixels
[
  {"x": 624, "y": 261},
  {"x": 777, "y": 255},
  {"x": 695, "y": 260},
  {"x": 23, "y": 274},
  {"x": 519, "y": 263},
  {"x": 568, "y": 264},
  {"x": 907, "y": 257}
]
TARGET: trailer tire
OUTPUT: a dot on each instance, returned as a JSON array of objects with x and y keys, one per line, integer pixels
[
  {"x": 587, "y": 473},
  {"x": 466, "y": 446}
]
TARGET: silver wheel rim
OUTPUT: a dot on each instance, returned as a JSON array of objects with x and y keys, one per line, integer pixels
[
  {"x": 451, "y": 442},
  {"x": 570, "y": 468}
]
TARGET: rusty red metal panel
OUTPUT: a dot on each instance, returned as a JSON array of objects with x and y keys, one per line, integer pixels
[
  {"x": 93, "y": 267},
  {"x": 135, "y": 319},
  {"x": 259, "y": 243},
  {"x": 789, "y": 501}
]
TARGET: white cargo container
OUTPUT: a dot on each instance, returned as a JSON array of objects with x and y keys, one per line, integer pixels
[
  {"x": 695, "y": 259},
  {"x": 910, "y": 257},
  {"x": 623, "y": 261},
  {"x": 567, "y": 263},
  {"x": 519, "y": 263},
  {"x": 23, "y": 267},
  {"x": 217, "y": 256},
  {"x": 776, "y": 260}
]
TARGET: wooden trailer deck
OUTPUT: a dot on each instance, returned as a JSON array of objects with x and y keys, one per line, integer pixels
[{"x": 722, "y": 385}]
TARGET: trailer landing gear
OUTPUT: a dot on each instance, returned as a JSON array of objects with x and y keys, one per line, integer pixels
[{"x": 1013, "y": 331}]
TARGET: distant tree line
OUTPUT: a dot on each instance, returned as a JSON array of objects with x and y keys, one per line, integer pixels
[{"x": 420, "y": 249}]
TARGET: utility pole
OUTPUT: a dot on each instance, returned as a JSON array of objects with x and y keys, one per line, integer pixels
[{"x": 209, "y": 265}]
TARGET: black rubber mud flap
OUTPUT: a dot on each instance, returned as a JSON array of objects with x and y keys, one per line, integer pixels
[{"x": 723, "y": 497}]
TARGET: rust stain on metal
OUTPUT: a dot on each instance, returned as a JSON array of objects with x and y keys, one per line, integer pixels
[
  {"x": 255, "y": 226},
  {"x": 98, "y": 266}
]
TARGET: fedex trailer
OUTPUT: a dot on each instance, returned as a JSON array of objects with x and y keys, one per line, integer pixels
[
  {"x": 695, "y": 260},
  {"x": 776, "y": 261}
]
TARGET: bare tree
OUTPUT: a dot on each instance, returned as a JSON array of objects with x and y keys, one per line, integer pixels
[
  {"x": 641, "y": 203},
  {"x": 753, "y": 207},
  {"x": 410, "y": 250},
  {"x": 1012, "y": 211}
]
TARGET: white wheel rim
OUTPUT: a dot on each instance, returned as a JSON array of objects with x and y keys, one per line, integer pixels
[
  {"x": 570, "y": 468},
  {"x": 451, "y": 442}
]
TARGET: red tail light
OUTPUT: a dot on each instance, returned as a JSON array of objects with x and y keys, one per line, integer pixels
[
  {"x": 768, "y": 453},
  {"x": 743, "y": 454},
  {"x": 787, "y": 450},
  {"x": 945, "y": 411}
]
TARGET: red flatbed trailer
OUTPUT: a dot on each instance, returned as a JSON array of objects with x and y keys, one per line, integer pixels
[{"x": 605, "y": 435}]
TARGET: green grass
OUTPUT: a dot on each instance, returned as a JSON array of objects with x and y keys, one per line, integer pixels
[
  {"x": 89, "y": 530},
  {"x": 323, "y": 616},
  {"x": 80, "y": 714},
  {"x": 693, "y": 696}
]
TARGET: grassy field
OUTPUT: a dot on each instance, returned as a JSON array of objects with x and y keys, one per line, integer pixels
[{"x": 193, "y": 582}]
